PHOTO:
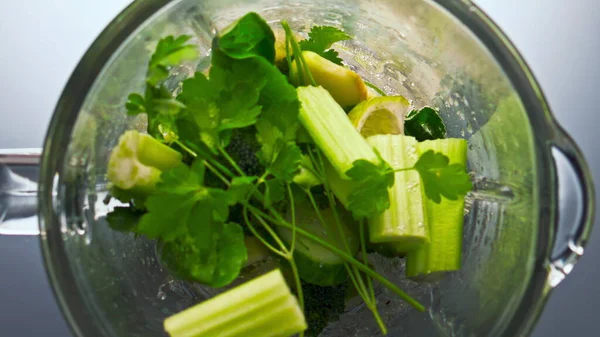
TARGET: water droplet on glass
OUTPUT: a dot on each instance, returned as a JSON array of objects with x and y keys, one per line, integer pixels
[{"x": 161, "y": 295}]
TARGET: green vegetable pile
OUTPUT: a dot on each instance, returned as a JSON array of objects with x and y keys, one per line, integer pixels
[{"x": 250, "y": 150}]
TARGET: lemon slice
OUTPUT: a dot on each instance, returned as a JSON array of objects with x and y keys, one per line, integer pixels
[{"x": 380, "y": 116}]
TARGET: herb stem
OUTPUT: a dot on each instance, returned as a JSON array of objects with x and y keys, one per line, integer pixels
[
  {"x": 231, "y": 162},
  {"x": 185, "y": 147},
  {"x": 381, "y": 279},
  {"x": 363, "y": 248},
  {"x": 297, "y": 281},
  {"x": 259, "y": 236},
  {"x": 404, "y": 169},
  {"x": 293, "y": 210},
  {"x": 217, "y": 173}
]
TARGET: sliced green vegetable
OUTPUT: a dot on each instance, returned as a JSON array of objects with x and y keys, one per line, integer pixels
[
  {"x": 424, "y": 124},
  {"x": 256, "y": 251},
  {"x": 445, "y": 218},
  {"x": 404, "y": 224},
  {"x": 263, "y": 306},
  {"x": 344, "y": 85},
  {"x": 316, "y": 264},
  {"x": 137, "y": 162}
]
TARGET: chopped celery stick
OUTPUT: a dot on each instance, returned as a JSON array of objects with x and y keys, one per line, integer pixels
[
  {"x": 443, "y": 253},
  {"x": 403, "y": 226},
  {"x": 263, "y": 306},
  {"x": 136, "y": 163},
  {"x": 344, "y": 85},
  {"x": 332, "y": 131}
]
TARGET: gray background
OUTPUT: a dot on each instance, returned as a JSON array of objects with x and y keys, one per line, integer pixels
[{"x": 41, "y": 42}]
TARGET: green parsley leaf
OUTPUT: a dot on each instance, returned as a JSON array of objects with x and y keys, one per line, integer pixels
[
  {"x": 248, "y": 37},
  {"x": 170, "y": 52},
  {"x": 279, "y": 153},
  {"x": 441, "y": 178},
  {"x": 179, "y": 194},
  {"x": 158, "y": 102},
  {"x": 274, "y": 191},
  {"x": 187, "y": 258},
  {"x": 286, "y": 163},
  {"x": 370, "y": 196},
  {"x": 228, "y": 100},
  {"x": 424, "y": 124},
  {"x": 240, "y": 188},
  {"x": 321, "y": 39}
]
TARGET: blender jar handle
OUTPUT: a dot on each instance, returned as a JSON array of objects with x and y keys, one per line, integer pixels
[
  {"x": 578, "y": 232},
  {"x": 18, "y": 194}
]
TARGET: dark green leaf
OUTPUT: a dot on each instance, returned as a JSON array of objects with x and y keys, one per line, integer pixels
[
  {"x": 286, "y": 163},
  {"x": 274, "y": 191},
  {"x": 424, "y": 124},
  {"x": 180, "y": 193},
  {"x": 240, "y": 188},
  {"x": 231, "y": 254},
  {"x": 440, "y": 179},
  {"x": 135, "y": 104},
  {"x": 214, "y": 260},
  {"x": 123, "y": 219},
  {"x": 321, "y": 39},
  {"x": 169, "y": 52},
  {"x": 248, "y": 37},
  {"x": 370, "y": 196}
]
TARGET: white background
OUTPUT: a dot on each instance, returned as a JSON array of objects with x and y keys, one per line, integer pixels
[{"x": 41, "y": 41}]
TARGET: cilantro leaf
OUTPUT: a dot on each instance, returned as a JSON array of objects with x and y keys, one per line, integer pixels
[
  {"x": 370, "y": 196},
  {"x": 280, "y": 102},
  {"x": 240, "y": 188},
  {"x": 231, "y": 256},
  {"x": 424, "y": 124},
  {"x": 228, "y": 100},
  {"x": 158, "y": 102},
  {"x": 274, "y": 191},
  {"x": 170, "y": 52},
  {"x": 286, "y": 163},
  {"x": 248, "y": 37},
  {"x": 321, "y": 39},
  {"x": 279, "y": 153},
  {"x": 442, "y": 179},
  {"x": 187, "y": 258},
  {"x": 179, "y": 194}
]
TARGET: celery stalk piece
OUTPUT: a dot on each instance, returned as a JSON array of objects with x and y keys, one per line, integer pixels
[
  {"x": 263, "y": 306},
  {"x": 403, "y": 226},
  {"x": 138, "y": 160},
  {"x": 443, "y": 253},
  {"x": 327, "y": 124}
]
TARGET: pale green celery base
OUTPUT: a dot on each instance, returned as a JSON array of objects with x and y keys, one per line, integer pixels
[{"x": 263, "y": 304}]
